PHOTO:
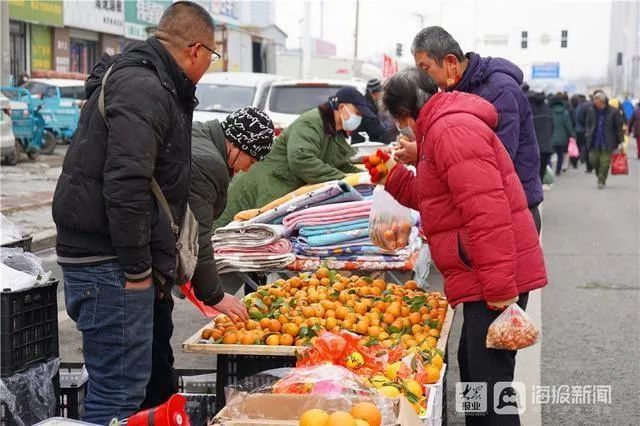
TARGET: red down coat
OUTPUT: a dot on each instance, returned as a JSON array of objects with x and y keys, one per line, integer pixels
[{"x": 472, "y": 206}]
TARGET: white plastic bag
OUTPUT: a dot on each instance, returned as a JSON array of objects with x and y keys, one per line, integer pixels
[
  {"x": 422, "y": 266},
  {"x": 389, "y": 222},
  {"x": 21, "y": 270},
  {"x": 9, "y": 232}
]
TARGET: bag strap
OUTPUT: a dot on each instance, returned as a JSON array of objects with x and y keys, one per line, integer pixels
[{"x": 155, "y": 188}]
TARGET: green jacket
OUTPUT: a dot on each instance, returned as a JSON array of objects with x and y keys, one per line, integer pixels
[
  {"x": 303, "y": 154},
  {"x": 207, "y": 200},
  {"x": 562, "y": 127}
]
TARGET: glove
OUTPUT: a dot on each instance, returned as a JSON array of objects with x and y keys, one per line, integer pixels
[
  {"x": 502, "y": 305},
  {"x": 379, "y": 165}
]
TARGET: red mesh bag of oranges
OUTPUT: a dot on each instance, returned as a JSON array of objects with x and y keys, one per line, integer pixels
[{"x": 389, "y": 222}]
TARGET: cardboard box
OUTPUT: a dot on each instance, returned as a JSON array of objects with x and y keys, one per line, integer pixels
[{"x": 285, "y": 410}]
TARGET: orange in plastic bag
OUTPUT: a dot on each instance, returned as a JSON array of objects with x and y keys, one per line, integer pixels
[{"x": 512, "y": 330}]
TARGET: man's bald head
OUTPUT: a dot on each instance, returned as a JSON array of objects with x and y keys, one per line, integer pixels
[{"x": 185, "y": 23}]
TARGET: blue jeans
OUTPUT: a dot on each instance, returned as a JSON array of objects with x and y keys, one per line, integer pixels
[{"x": 117, "y": 335}]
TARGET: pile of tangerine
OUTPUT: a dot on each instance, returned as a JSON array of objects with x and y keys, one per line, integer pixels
[{"x": 294, "y": 311}]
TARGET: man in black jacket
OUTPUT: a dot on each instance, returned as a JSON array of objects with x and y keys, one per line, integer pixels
[
  {"x": 543, "y": 125},
  {"x": 218, "y": 151},
  {"x": 604, "y": 133},
  {"x": 112, "y": 235}
]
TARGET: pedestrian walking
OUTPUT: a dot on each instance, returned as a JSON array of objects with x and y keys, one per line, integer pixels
[
  {"x": 496, "y": 80},
  {"x": 562, "y": 131},
  {"x": 543, "y": 125},
  {"x": 115, "y": 243},
  {"x": 634, "y": 127},
  {"x": 475, "y": 215},
  {"x": 604, "y": 135},
  {"x": 627, "y": 107},
  {"x": 581, "y": 139}
]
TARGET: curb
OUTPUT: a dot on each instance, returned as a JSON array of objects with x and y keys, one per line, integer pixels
[
  {"x": 9, "y": 210},
  {"x": 44, "y": 240}
]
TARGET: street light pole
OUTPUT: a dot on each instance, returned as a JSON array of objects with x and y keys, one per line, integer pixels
[{"x": 355, "y": 50}]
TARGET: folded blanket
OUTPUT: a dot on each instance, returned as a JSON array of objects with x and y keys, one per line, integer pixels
[
  {"x": 358, "y": 258},
  {"x": 334, "y": 237},
  {"x": 334, "y": 227},
  {"x": 226, "y": 264},
  {"x": 329, "y": 191},
  {"x": 282, "y": 246},
  {"x": 331, "y": 213},
  {"x": 245, "y": 234}
]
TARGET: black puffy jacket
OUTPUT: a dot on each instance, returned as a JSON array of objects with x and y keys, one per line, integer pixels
[
  {"x": 542, "y": 121},
  {"x": 207, "y": 199},
  {"x": 103, "y": 206}
]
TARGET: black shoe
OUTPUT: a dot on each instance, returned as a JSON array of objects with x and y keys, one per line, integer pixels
[{"x": 588, "y": 171}]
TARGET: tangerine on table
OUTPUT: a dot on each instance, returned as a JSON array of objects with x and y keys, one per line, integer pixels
[
  {"x": 340, "y": 418},
  {"x": 368, "y": 412},
  {"x": 314, "y": 417},
  {"x": 286, "y": 340},
  {"x": 274, "y": 325},
  {"x": 230, "y": 339},
  {"x": 273, "y": 340}
]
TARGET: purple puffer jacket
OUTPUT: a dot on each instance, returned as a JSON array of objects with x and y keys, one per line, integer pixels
[{"x": 498, "y": 81}]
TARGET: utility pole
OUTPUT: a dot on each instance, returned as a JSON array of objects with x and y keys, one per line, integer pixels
[
  {"x": 306, "y": 41},
  {"x": 355, "y": 50},
  {"x": 321, "y": 19},
  {"x": 5, "y": 58}
]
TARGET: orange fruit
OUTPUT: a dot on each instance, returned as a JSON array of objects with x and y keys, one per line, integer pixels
[
  {"x": 342, "y": 312},
  {"x": 264, "y": 323},
  {"x": 410, "y": 285},
  {"x": 314, "y": 417},
  {"x": 230, "y": 339},
  {"x": 368, "y": 412},
  {"x": 416, "y": 329},
  {"x": 394, "y": 309},
  {"x": 273, "y": 340},
  {"x": 374, "y": 331},
  {"x": 331, "y": 323},
  {"x": 432, "y": 374},
  {"x": 434, "y": 333},
  {"x": 362, "y": 327},
  {"x": 282, "y": 319},
  {"x": 340, "y": 418},
  {"x": 291, "y": 329},
  {"x": 274, "y": 325},
  {"x": 374, "y": 160},
  {"x": 216, "y": 334},
  {"x": 314, "y": 282},
  {"x": 322, "y": 273},
  {"x": 415, "y": 318},
  {"x": 388, "y": 318},
  {"x": 325, "y": 282},
  {"x": 251, "y": 325},
  {"x": 405, "y": 311},
  {"x": 338, "y": 286},
  {"x": 286, "y": 340},
  {"x": 381, "y": 284},
  {"x": 308, "y": 312},
  {"x": 247, "y": 339}
]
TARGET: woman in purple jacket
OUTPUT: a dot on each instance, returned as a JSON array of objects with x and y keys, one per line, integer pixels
[{"x": 496, "y": 80}]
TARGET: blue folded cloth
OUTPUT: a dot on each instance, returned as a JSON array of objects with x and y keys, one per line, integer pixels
[
  {"x": 334, "y": 237},
  {"x": 334, "y": 227}
]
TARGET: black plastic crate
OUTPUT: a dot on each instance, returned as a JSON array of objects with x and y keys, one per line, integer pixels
[
  {"x": 233, "y": 368},
  {"x": 28, "y": 327},
  {"x": 24, "y": 243},
  {"x": 73, "y": 390}
]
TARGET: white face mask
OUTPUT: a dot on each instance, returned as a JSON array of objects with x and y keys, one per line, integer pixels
[{"x": 352, "y": 123}]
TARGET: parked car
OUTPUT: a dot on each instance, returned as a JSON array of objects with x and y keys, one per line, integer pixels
[
  {"x": 221, "y": 93},
  {"x": 7, "y": 140},
  {"x": 290, "y": 98}
]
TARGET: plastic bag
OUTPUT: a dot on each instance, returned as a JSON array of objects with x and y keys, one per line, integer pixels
[
  {"x": 619, "y": 163},
  {"x": 16, "y": 263},
  {"x": 29, "y": 396},
  {"x": 512, "y": 330},
  {"x": 389, "y": 222},
  {"x": 286, "y": 393},
  {"x": 548, "y": 178},
  {"x": 10, "y": 231},
  {"x": 422, "y": 266},
  {"x": 573, "y": 150}
]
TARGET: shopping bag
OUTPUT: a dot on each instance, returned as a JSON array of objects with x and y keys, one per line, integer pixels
[
  {"x": 389, "y": 222},
  {"x": 574, "y": 152},
  {"x": 619, "y": 163},
  {"x": 548, "y": 178},
  {"x": 512, "y": 330}
]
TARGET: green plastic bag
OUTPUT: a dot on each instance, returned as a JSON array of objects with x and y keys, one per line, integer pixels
[{"x": 548, "y": 176}]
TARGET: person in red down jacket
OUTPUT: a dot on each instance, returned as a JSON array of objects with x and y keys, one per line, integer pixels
[{"x": 474, "y": 214}]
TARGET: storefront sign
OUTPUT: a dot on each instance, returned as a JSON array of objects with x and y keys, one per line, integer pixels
[
  {"x": 141, "y": 14},
  {"x": 61, "y": 49},
  {"x": 40, "y": 47},
  {"x": 546, "y": 70},
  {"x": 44, "y": 12},
  {"x": 105, "y": 16}
]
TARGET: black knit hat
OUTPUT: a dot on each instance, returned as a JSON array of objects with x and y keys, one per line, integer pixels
[
  {"x": 251, "y": 130},
  {"x": 374, "y": 86}
]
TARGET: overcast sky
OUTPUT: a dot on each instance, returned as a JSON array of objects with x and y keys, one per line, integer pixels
[{"x": 383, "y": 23}]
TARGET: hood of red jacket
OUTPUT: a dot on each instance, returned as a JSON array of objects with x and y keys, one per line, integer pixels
[{"x": 445, "y": 103}]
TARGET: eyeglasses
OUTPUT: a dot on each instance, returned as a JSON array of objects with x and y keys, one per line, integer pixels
[{"x": 214, "y": 55}]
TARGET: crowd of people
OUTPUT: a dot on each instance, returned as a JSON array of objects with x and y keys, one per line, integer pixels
[
  {"x": 478, "y": 144},
  {"x": 581, "y": 131}
]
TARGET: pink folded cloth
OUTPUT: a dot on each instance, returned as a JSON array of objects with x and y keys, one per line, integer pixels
[
  {"x": 280, "y": 246},
  {"x": 326, "y": 214}
]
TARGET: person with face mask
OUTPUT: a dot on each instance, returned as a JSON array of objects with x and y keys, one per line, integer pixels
[
  {"x": 474, "y": 214},
  {"x": 313, "y": 149},
  {"x": 381, "y": 128},
  {"x": 497, "y": 81}
]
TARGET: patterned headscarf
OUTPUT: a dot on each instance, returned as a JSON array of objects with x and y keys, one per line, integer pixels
[{"x": 251, "y": 130}]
